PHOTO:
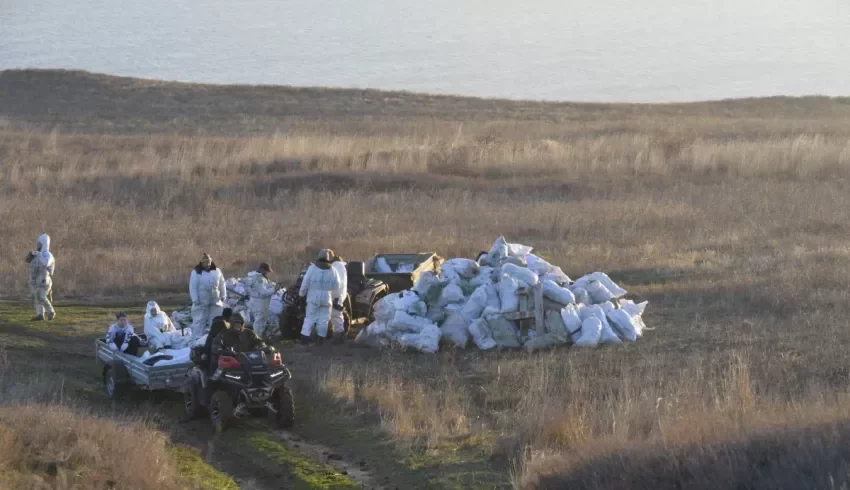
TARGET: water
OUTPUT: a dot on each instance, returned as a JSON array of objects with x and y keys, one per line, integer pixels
[{"x": 599, "y": 50}]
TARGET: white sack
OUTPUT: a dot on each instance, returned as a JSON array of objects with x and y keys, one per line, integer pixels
[
  {"x": 608, "y": 336},
  {"x": 404, "y": 268},
  {"x": 604, "y": 279},
  {"x": 410, "y": 302},
  {"x": 486, "y": 275},
  {"x": 428, "y": 340},
  {"x": 598, "y": 292},
  {"x": 557, "y": 293},
  {"x": 436, "y": 314},
  {"x": 581, "y": 295},
  {"x": 508, "y": 294},
  {"x": 404, "y": 322},
  {"x": 520, "y": 274},
  {"x": 556, "y": 275},
  {"x": 499, "y": 250},
  {"x": 555, "y": 326},
  {"x": 572, "y": 320},
  {"x": 452, "y": 294},
  {"x": 481, "y": 334},
  {"x": 493, "y": 301},
  {"x": 518, "y": 250},
  {"x": 375, "y": 335},
  {"x": 591, "y": 330},
  {"x": 428, "y": 286},
  {"x": 475, "y": 305},
  {"x": 464, "y": 268},
  {"x": 504, "y": 331},
  {"x": 623, "y": 324},
  {"x": 538, "y": 265},
  {"x": 455, "y": 330},
  {"x": 382, "y": 266},
  {"x": 385, "y": 308}
]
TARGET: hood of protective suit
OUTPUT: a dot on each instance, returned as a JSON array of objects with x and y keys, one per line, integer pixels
[
  {"x": 44, "y": 256},
  {"x": 150, "y": 306}
]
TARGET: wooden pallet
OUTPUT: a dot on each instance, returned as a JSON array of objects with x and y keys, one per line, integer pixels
[{"x": 530, "y": 314}]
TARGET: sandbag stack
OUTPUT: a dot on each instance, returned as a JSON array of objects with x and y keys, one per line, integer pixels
[{"x": 467, "y": 302}]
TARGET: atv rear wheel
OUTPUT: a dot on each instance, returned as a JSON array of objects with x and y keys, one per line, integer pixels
[
  {"x": 284, "y": 403},
  {"x": 221, "y": 411}
]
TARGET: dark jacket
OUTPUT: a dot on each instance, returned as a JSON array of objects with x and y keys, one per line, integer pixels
[
  {"x": 244, "y": 341},
  {"x": 200, "y": 268},
  {"x": 219, "y": 325}
]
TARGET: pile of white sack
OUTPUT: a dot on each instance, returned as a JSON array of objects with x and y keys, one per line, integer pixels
[
  {"x": 238, "y": 302},
  {"x": 467, "y": 302}
]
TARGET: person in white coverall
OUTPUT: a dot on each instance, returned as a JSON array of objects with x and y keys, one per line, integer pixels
[
  {"x": 260, "y": 292},
  {"x": 208, "y": 291},
  {"x": 318, "y": 286},
  {"x": 338, "y": 296},
  {"x": 160, "y": 331},
  {"x": 42, "y": 265}
]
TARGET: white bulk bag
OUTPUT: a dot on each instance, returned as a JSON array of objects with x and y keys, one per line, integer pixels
[
  {"x": 475, "y": 305},
  {"x": 503, "y": 331},
  {"x": 455, "y": 330},
  {"x": 508, "y": 295},
  {"x": 604, "y": 279},
  {"x": 428, "y": 340},
  {"x": 520, "y": 274},
  {"x": 481, "y": 334},
  {"x": 591, "y": 330},
  {"x": 557, "y": 294},
  {"x": 404, "y": 322}
]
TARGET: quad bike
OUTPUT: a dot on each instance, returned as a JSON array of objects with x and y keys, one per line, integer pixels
[
  {"x": 242, "y": 384},
  {"x": 358, "y": 307}
]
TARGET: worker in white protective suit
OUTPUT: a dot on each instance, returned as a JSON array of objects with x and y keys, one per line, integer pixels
[
  {"x": 260, "y": 291},
  {"x": 318, "y": 286},
  {"x": 42, "y": 265},
  {"x": 160, "y": 331},
  {"x": 339, "y": 295},
  {"x": 208, "y": 291}
]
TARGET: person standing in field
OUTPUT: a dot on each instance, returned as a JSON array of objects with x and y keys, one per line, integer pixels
[
  {"x": 42, "y": 265},
  {"x": 208, "y": 291},
  {"x": 260, "y": 292},
  {"x": 318, "y": 286},
  {"x": 339, "y": 295}
]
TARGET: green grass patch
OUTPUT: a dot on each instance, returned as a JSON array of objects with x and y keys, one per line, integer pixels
[
  {"x": 307, "y": 474},
  {"x": 197, "y": 474}
]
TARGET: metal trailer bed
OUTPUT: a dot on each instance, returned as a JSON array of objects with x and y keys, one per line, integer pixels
[
  {"x": 399, "y": 281},
  {"x": 123, "y": 371}
]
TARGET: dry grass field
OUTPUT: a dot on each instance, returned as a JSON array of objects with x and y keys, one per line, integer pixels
[{"x": 732, "y": 218}]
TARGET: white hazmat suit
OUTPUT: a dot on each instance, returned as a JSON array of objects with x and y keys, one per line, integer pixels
[
  {"x": 339, "y": 295},
  {"x": 42, "y": 265},
  {"x": 260, "y": 292},
  {"x": 160, "y": 331},
  {"x": 208, "y": 291},
  {"x": 318, "y": 286}
]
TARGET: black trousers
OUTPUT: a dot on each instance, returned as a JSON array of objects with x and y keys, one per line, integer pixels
[{"x": 132, "y": 347}]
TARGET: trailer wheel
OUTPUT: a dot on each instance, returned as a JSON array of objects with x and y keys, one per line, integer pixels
[
  {"x": 221, "y": 411},
  {"x": 114, "y": 389},
  {"x": 284, "y": 403}
]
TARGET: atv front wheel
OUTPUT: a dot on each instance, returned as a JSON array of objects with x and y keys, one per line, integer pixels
[
  {"x": 221, "y": 411},
  {"x": 284, "y": 403},
  {"x": 191, "y": 401}
]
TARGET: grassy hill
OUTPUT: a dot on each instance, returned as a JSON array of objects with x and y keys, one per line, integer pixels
[{"x": 730, "y": 217}]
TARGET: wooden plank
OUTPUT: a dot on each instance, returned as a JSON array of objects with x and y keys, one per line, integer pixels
[
  {"x": 539, "y": 323},
  {"x": 519, "y": 315}
]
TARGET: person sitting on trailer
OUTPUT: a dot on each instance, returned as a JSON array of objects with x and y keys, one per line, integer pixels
[{"x": 121, "y": 338}]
